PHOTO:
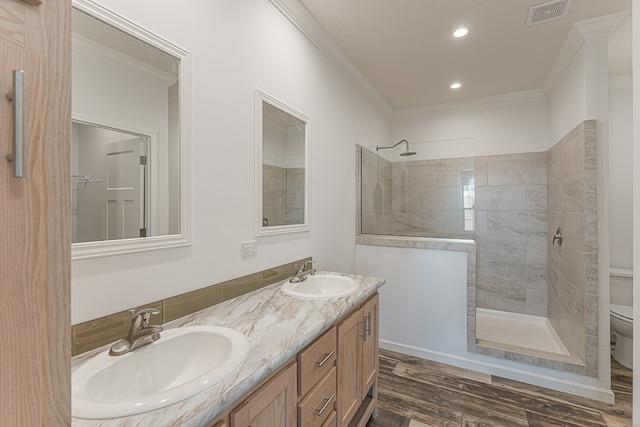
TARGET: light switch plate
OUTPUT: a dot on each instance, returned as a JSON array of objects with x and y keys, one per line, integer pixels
[{"x": 248, "y": 248}]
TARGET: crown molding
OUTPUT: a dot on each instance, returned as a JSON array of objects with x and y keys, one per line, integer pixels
[
  {"x": 487, "y": 101},
  {"x": 81, "y": 44},
  {"x": 300, "y": 17},
  {"x": 579, "y": 32}
]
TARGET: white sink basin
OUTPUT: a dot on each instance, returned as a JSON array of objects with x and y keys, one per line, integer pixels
[
  {"x": 183, "y": 362},
  {"x": 321, "y": 286}
]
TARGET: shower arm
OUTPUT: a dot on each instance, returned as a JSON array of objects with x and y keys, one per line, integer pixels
[{"x": 384, "y": 147}]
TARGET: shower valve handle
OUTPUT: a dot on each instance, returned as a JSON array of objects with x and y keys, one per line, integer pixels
[{"x": 558, "y": 237}]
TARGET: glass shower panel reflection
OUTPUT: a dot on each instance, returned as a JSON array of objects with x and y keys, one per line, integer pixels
[{"x": 429, "y": 194}]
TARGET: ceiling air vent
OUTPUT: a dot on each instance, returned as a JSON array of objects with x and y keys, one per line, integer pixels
[{"x": 545, "y": 12}]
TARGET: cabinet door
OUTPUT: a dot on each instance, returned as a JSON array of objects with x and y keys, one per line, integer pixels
[
  {"x": 370, "y": 344},
  {"x": 349, "y": 367},
  {"x": 274, "y": 404},
  {"x": 35, "y": 216},
  {"x": 219, "y": 423}
]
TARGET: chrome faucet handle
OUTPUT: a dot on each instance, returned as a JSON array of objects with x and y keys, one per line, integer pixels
[
  {"x": 310, "y": 263},
  {"x": 140, "y": 318}
]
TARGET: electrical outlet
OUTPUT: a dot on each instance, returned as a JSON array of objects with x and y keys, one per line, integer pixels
[{"x": 248, "y": 248}]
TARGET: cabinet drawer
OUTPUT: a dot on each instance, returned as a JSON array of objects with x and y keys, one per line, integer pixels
[
  {"x": 316, "y": 360},
  {"x": 318, "y": 406},
  {"x": 332, "y": 421}
]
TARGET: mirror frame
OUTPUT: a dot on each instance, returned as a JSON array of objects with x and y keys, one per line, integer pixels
[
  {"x": 260, "y": 98},
  {"x": 87, "y": 250}
]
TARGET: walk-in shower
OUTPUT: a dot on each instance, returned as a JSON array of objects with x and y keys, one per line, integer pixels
[{"x": 530, "y": 299}]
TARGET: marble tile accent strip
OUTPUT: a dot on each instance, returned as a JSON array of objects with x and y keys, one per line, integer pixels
[{"x": 98, "y": 332}]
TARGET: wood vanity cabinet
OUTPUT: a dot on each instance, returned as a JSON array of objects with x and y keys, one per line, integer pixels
[
  {"x": 331, "y": 383},
  {"x": 357, "y": 364},
  {"x": 273, "y": 404}
]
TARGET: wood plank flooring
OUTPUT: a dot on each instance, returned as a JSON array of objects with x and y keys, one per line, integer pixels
[{"x": 414, "y": 392}]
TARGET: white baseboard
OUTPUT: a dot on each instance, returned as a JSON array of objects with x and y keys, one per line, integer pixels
[{"x": 541, "y": 380}]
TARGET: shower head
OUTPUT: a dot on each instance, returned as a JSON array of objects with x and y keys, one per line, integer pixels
[{"x": 406, "y": 152}]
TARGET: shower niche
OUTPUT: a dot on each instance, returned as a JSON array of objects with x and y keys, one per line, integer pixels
[{"x": 504, "y": 211}]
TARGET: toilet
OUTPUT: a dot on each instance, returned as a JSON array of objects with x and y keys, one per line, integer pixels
[{"x": 622, "y": 326}]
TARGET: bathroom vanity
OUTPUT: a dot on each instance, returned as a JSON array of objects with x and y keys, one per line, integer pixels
[{"x": 312, "y": 361}]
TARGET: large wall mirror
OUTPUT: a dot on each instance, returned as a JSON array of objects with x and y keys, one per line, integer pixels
[
  {"x": 282, "y": 172},
  {"x": 130, "y": 189}
]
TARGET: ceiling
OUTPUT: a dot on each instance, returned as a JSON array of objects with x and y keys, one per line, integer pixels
[{"x": 405, "y": 48}]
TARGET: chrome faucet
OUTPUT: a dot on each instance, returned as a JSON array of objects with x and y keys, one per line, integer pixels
[
  {"x": 140, "y": 333},
  {"x": 302, "y": 273}
]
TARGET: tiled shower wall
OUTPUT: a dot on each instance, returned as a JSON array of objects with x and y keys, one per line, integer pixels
[
  {"x": 425, "y": 198},
  {"x": 573, "y": 275},
  {"x": 414, "y": 198},
  {"x": 283, "y": 195},
  {"x": 511, "y": 227}
]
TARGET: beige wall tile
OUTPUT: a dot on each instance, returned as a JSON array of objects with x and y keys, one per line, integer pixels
[
  {"x": 501, "y": 198},
  {"x": 240, "y": 286},
  {"x": 517, "y": 223},
  {"x": 191, "y": 302},
  {"x": 503, "y": 170}
]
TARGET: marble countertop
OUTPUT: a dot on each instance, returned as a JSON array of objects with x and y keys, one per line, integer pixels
[{"x": 277, "y": 326}]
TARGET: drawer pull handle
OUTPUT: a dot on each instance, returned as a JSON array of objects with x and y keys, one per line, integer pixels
[
  {"x": 327, "y": 356},
  {"x": 324, "y": 407}
]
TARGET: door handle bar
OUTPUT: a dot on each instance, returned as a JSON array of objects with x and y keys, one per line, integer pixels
[{"x": 19, "y": 155}]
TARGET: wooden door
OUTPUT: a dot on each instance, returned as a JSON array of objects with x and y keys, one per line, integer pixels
[
  {"x": 35, "y": 217},
  {"x": 349, "y": 367},
  {"x": 370, "y": 344},
  {"x": 124, "y": 190},
  {"x": 274, "y": 404}
]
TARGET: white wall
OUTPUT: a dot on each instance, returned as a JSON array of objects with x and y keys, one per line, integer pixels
[
  {"x": 567, "y": 100},
  {"x": 498, "y": 129},
  {"x": 237, "y": 47},
  {"x": 621, "y": 177}
]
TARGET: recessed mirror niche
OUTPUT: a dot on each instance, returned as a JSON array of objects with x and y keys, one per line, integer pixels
[
  {"x": 130, "y": 144},
  {"x": 281, "y": 167}
]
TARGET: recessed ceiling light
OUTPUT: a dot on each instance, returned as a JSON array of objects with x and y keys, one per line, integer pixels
[
  {"x": 460, "y": 32},
  {"x": 455, "y": 85}
]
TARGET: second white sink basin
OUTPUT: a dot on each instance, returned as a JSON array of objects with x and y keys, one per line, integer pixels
[
  {"x": 183, "y": 362},
  {"x": 321, "y": 286}
]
